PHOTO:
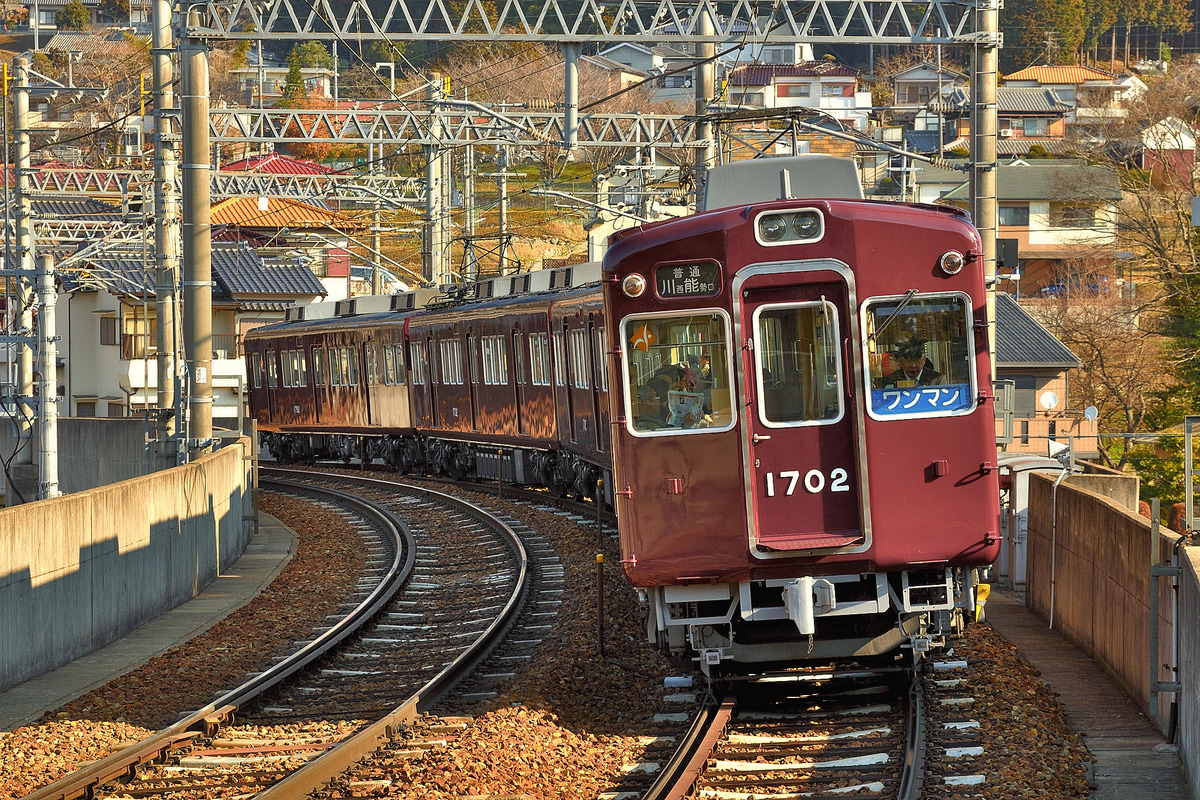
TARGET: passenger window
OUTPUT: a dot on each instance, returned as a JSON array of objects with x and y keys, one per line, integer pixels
[
  {"x": 919, "y": 355},
  {"x": 678, "y": 375},
  {"x": 798, "y": 364}
]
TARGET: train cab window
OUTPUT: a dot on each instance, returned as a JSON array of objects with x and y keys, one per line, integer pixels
[
  {"x": 919, "y": 355},
  {"x": 678, "y": 374},
  {"x": 272, "y": 374},
  {"x": 798, "y": 364}
]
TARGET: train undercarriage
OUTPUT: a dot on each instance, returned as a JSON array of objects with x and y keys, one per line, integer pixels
[
  {"x": 820, "y": 618},
  {"x": 565, "y": 474}
]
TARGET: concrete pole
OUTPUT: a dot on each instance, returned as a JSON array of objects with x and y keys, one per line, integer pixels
[
  {"x": 985, "y": 67},
  {"x": 571, "y": 52},
  {"x": 197, "y": 244},
  {"x": 435, "y": 268},
  {"x": 706, "y": 89},
  {"x": 166, "y": 236},
  {"x": 503, "y": 204},
  {"x": 469, "y": 203},
  {"x": 47, "y": 381},
  {"x": 22, "y": 470}
]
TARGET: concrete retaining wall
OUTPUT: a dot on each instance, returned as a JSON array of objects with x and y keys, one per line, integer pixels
[
  {"x": 93, "y": 451},
  {"x": 84, "y": 569},
  {"x": 1089, "y": 574},
  {"x": 1189, "y": 661}
]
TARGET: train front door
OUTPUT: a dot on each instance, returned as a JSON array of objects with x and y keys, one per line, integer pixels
[{"x": 804, "y": 465}]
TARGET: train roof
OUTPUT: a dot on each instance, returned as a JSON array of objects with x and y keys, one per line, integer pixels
[{"x": 498, "y": 291}]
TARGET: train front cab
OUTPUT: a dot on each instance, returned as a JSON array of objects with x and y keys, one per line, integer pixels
[{"x": 819, "y": 555}]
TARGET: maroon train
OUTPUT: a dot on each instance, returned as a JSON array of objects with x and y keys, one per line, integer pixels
[{"x": 787, "y": 402}]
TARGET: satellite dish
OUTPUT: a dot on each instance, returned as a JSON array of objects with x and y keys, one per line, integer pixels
[
  {"x": 1090, "y": 413},
  {"x": 1048, "y": 400}
]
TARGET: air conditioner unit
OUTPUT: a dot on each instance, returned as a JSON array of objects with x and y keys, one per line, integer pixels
[{"x": 1006, "y": 133}]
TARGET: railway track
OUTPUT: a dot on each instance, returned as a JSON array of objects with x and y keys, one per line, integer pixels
[
  {"x": 440, "y": 591},
  {"x": 832, "y": 732}
]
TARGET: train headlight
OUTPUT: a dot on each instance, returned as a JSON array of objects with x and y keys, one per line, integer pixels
[
  {"x": 952, "y": 262},
  {"x": 634, "y": 285},
  {"x": 772, "y": 228},
  {"x": 807, "y": 224}
]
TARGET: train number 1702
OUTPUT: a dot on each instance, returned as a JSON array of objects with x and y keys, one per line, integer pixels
[{"x": 814, "y": 481}]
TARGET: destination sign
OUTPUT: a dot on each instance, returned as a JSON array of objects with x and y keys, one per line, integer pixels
[{"x": 693, "y": 279}]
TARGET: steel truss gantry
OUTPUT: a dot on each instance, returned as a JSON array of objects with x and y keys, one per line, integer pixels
[{"x": 840, "y": 21}]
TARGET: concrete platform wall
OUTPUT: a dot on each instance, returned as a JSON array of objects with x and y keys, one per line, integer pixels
[
  {"x": 1089, "y": 575},
  {"x": 82, "y": 570}
]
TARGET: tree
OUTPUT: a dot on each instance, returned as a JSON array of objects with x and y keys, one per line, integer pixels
[
  {"x": 73, "y": 17},
  {"x": 312, "y": 55},
  {"x": 114, "y": 10},
  {"x": 293, "y": 85}
]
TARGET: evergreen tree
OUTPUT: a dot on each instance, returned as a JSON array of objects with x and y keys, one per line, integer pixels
[
  {"x": 293, "y": 86},
  {"x": 73, "y": 17}
]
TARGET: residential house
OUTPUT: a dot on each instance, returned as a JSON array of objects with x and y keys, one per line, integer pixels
[
  {"x": 263, "y": 85},
  {"x": 1169, "y": 146},
  {"x": 1095, "y": 96},
  {"x": 655, "y": 61},
  {"x": 279, "y": 227},
  {"x": 108, "y": 322},
  {"x": 43, "y": 13},
  {"x": 915, "y": 88},
  {"x": 1063, "y": 214},
  {"x": 617, "y": 76},
  {"x": 1035, "y": 365},
  {"x": 825, "y": 86}
]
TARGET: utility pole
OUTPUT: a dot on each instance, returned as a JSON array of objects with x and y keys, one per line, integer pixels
[
  {"x": 705, "y": 80},
  {"x": 47, "y": 417},
  {"x": 23, "y": 472},
  {"x": 984, "y": 68},
  {"x": 197, "y": 244},
  {"x": 166, "y": 239}
]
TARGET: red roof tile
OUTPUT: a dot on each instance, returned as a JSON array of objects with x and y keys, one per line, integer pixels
[{"x": 277, "y": 164}]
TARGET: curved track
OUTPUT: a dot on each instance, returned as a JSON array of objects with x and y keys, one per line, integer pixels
[
  {"x": 364, "y": 677},
  {"x": 813, "y": 733}
]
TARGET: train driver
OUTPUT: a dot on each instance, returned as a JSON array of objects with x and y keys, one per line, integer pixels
[{"x": 914, "y": 369}]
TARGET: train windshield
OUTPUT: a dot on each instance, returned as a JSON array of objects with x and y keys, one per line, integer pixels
[
  {"x": 798, "y": 362},
  {"x": 677, "y": 373},
  {"x": 919, "y": 355}
]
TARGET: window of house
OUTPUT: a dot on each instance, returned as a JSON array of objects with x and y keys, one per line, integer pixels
[
  {"x": 1015, "y": 215},
  {"x": 1035, "y": 126},
  {"x": 85, "y": 408},
  {"x": 116, "y": 408},
  {"x": 1072, "y": 216},
  {"x": 793, "y": 90},
  {"x": 916, "y": 94},
  {"x": 1024, "y": 397},
  {"x": 837, "y": 90},
  {"x": 109, "y": 331}
]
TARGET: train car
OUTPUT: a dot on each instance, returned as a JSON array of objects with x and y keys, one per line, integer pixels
[
  {"x": 788, "y": 402},
  {"x": 804, "y": 449}
]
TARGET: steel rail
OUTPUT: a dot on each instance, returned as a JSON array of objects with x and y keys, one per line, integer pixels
[
  {"x": 317, "y": 772},
  {"x": 912, "y": 776},
  {"x": 676, "y": 779},
  {"x": 204, "y": 721}
]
